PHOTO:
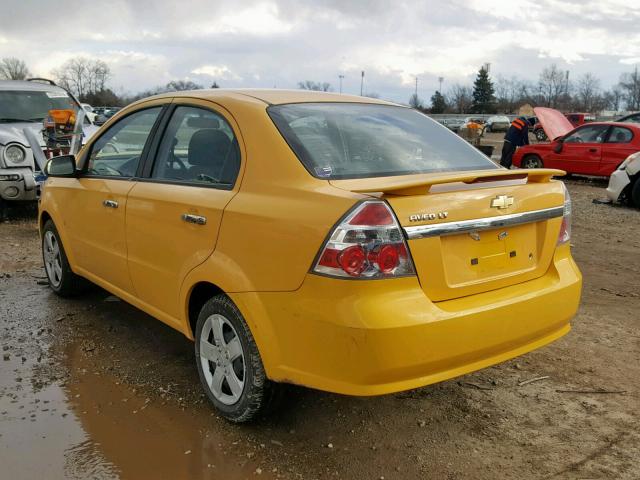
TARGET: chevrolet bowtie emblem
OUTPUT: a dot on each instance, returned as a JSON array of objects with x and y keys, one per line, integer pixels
[{"x": 501, "y": 202}]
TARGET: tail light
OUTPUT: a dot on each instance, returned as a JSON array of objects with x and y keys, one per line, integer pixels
[
  {"x": 367, "y": 244},
  {"x": 565, "y": 229}
]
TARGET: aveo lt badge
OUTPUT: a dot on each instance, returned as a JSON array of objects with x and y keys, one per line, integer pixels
[{"x": 420, "y": 217}]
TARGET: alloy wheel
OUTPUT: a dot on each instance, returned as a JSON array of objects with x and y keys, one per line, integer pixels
[
  {"x": 52, "y": 258},
  {"x": 222, "y": 359}
]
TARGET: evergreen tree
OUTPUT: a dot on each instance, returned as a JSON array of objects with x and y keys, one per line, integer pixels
[
  {"x": 483, "y": 98},
  {"x": 438, "y": 103}
]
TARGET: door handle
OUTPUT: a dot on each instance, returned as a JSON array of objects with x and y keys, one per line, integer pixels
[
  {"x": 593, "y": 150},
  {"x": 197, "y": 219},
  {"x": 110, "y": 204}
]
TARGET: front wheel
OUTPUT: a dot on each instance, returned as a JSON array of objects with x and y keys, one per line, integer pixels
[
  {"x": 540, "y": 135},
  {"x": 61, "y": 278},
  {"x": 531, "y": 161},
  {"x": 229, "y": 364}
]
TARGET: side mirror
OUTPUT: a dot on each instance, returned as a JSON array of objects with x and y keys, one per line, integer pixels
[
  {"x": 557, "y": 147},
  {"x": 62, "y": 166}
]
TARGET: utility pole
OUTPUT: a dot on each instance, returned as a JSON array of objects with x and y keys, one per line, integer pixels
[
  {"x": 440, "y": 80},
  {"x": 340, "y": 77},
  {"x": 361, "y": 83},
  {"x": 416, "y": 88}
]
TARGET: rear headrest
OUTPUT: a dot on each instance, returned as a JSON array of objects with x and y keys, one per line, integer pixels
[{"x": 208, "y": 147}]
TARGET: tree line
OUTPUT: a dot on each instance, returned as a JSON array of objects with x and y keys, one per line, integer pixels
[
  {"x": 88, "y": 79},
  {"x": 554, "y": 89}
]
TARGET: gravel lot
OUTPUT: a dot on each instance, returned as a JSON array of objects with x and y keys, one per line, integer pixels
[{"x": 93, "y": 388}]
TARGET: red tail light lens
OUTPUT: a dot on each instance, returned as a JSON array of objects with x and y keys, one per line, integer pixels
[{"x": 367, "y": 244}]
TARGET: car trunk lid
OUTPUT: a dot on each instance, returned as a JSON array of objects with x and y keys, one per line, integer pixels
[{"x": 470, "y": 232}]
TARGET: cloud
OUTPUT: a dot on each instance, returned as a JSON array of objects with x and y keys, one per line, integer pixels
[
  {"x": 216, "y": 71},
  {"x": 245, "y": 43}
]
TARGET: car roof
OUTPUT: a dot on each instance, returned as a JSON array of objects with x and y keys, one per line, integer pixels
[
  {"x": 24, "y": 85},
  {"x": 273, "y": 96}
]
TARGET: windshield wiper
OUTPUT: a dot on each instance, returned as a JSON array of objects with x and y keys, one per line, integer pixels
[{"x": 17, "y": 120}]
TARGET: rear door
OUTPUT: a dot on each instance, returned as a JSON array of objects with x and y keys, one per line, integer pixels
[
  {"x": 581, "y": 150},
  {"x": 174, "y": 212},
  {"x": 618, "y": 146}
]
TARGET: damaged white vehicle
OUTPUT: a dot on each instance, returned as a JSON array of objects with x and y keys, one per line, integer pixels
[
  {"x": 24, "y": 105},
  {"x": 624, "y": 183}
]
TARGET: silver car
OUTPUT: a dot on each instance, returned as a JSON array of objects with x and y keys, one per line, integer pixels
[{"x": 23, "y": 106}]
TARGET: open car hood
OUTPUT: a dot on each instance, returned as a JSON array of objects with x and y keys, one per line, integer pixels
[{"x": 554, "y": 123}]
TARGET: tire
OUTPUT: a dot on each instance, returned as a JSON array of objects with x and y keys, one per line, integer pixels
[
  {"x": 241, "y": 391},
  {"x": 540, "y": 135},
  {"x": 635, "y": 192},
  {"x": 61, "y": 278},
  {"x": 531, "y": 161},
  {"x": 488, "y": 129}
]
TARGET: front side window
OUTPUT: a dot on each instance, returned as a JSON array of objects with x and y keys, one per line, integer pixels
[
  {"x": 589, "y": 134},
  {"x": 198, "y": 147},
  {"x": 117, "y": 152},
  {"x": 352, "y": 140},
  {"x": 620, "y": 135}
]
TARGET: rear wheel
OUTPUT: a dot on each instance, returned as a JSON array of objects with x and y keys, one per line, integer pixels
[
  {"x": 229, "y": 364},
  {"x": 61, "y": 278},
  {"x": 531, "y": 161}
]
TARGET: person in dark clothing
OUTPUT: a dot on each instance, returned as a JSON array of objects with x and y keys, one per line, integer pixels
[{"x": 517, "y": 135}]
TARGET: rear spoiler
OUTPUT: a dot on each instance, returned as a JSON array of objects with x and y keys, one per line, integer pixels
[{"x": 420, "y": 184}]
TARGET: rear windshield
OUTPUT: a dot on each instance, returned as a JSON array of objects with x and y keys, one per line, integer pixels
[{"x": 352, "y": 140}]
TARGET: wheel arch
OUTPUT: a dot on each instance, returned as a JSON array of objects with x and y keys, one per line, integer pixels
[{"x": 197, "y": 296}]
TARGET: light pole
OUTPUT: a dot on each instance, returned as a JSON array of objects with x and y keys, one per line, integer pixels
[
  {"x": 440, "y": 80},
  {"x": 340, "y": 77},
  {"x": 361, "y": 83}
]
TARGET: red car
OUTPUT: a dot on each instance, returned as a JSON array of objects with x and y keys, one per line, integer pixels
[{"x": 591, "y": 149}]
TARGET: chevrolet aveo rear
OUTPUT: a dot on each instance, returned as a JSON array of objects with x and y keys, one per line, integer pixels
[{"x": 343, "y": 244}]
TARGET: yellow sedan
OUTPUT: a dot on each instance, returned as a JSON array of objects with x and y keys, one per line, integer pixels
[{"x": 342, "y": 243}]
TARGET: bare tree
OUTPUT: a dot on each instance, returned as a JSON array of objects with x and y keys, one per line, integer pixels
[
  {"x": 460, "y": 98},
  {"x": 181, "y": 85},
  {"x": 318, "y": 86},
  {"x": 12, "y": 68},
  {"x": 83, "y": 76},
  {"x": 554, "y": 85},
  {"x": 613, "y": 98},
  {"x": 589, "y": 94},
  {"x": 415, "y": 102},
  {"x": 630, "y": 85}
]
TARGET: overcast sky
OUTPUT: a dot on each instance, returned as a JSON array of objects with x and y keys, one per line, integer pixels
[{"x": 280, "y": 42}]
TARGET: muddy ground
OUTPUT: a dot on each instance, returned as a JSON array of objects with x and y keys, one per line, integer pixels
[{"x": 93, "y": 388}]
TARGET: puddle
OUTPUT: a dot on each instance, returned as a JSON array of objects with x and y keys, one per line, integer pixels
[{"x": 90, "y": 426}]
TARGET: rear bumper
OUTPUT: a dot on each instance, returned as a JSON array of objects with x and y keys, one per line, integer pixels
[
  {"x": 618, "y": 180},
  {"x": 377, "y": 337}
]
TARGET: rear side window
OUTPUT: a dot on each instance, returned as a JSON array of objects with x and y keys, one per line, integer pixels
[
  {"x": 620, "y": 135},
  {"x": 198, "y": 147},
  {"x": 352, "y": 140}
]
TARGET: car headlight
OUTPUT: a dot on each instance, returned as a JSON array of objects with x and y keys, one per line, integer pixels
[{"x": 14, "y": 154}]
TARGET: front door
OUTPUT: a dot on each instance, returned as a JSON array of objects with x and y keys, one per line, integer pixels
[
  {"x": 96, "y": 204},
  {"x": 173, "y": 215},
  {"x": 581, "y": 150}
]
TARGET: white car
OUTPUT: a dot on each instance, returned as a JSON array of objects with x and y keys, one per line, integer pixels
[{"x": 624, "y": 183}]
